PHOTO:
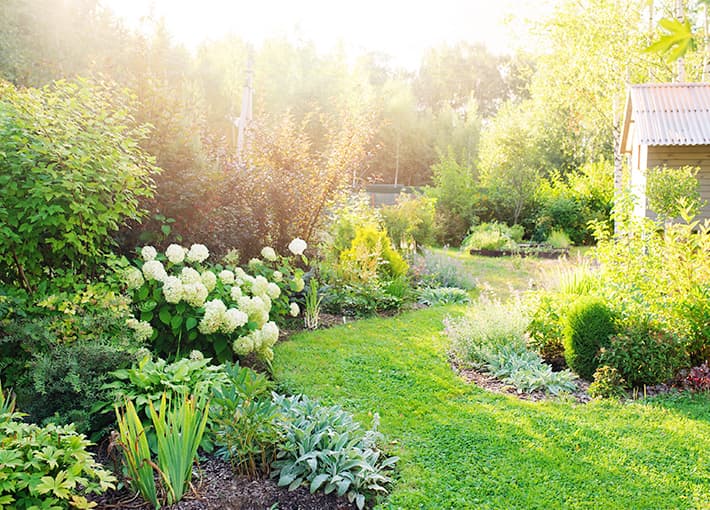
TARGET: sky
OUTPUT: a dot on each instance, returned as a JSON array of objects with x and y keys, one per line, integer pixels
[{"x": 401, "y": 29}]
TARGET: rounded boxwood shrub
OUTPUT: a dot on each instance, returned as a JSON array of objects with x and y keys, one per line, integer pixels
[{"x": 588, "y": 326}]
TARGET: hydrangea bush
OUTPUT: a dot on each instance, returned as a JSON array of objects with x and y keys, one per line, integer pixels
[{"x": 182, "y": 302}]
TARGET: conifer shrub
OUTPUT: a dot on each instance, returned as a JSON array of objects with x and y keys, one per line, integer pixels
[{"x": 588, "y": 327}]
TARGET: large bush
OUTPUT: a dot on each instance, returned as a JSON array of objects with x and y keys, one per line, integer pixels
[
  {"x": 72, "y": 174},
  {"x": 589, "y": 325},
  {"x": 410, "y": 220}
]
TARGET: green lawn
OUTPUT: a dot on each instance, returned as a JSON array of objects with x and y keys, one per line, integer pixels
[
  {"x": 506, "y": 275},
  {"x": 463, "y": 447}
]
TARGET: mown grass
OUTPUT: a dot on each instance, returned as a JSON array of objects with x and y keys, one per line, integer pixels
[
  {"x": 504, "y": 276},
  {"x": 463, "y": 447}
]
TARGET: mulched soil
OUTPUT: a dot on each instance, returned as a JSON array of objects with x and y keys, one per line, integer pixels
[{"x": 215, "y": 487}]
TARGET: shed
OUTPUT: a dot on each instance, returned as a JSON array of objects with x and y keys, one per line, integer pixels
[{"x": 667, "y": 124}]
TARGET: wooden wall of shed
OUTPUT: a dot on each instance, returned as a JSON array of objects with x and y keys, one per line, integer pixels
[{"x": 674, "y": 156}]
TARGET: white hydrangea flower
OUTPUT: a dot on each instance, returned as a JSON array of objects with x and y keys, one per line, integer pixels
[
  {"x": 172, "y": 289},
  {"x": 254, "y": 263},
  {"x": 134, "y": 278},
  {"x": 243, "y": 346},
  {"x": 273, "y": 290},
  {"x": 194, "y": 293},
  {"x": 297, "y": 246},
  {"x": 269, "y": 334},
  {"x": 268, "y": 253},
  {"x": 259, "y": 286},
  {"x": 266, "y": 354},
  {"x": 148, "y": 253},
  {"x": 195, "y": 354},
  {"x": 300, "y": 284},
  {"x": 235, "y": 293},
  {"x": 189, "y": 275},
  {"x": 257, "y": 339},
  {"x": 198, "y": 253},
  {"x": 278, "y": 276},
  {"x": 209, "y": 280},
  {"x": 142, "y": 329},
  {"x": 294, "y": 310},
  {"x": 266, "y": 300},
  {"x": 255, "y": 308},
  {"x": 213, "y": 318},
  {"x": 154, "y": 270},
  {"x": 175, "y": 253},
  {"x": 233, "y": 319},
  {"x": 227, "y": 277}
]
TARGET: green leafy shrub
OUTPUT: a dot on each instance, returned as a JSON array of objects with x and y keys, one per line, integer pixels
[
  {"x": 559, "y": 239},
  {"x": 608, "y": 383},
  {"x": 645, "y": 354},
  {"x": 184, "y": 304},
  {"x": 371, "y": 255},
  {"x": 664, "y": 275},
  {"x": 547, "y": 326},
  {"x": 359, "y": 299},
  {"x": 589, "y": 325},
  {"x": 178, "y": 424},
  {"x": 325, "y": 448},
  {"x": 672, "y": 191},
  {"x": 434, "y": 269},
  {"x": 443, "y": 296},
  {"x": 244, "y": 421},
  {"x": 410, "y": 220},
  {"x": 63, "y": 384},
  {"x": 46, "y": 467},
  {"x": 66, "y": 140},
  {"x": 492, "y": 236}
]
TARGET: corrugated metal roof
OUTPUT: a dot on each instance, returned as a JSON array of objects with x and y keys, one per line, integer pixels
[{"x": 671, "y": 113}]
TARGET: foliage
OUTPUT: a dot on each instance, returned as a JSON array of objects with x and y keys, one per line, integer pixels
[
  {"x": 311, "y": 315},
  {"x": 179, "y": 424},
  {"x": 371, "y": 255},
  {"x": 66, "y": 140},
  {"x": 188, "y": 304},
  {"x": 677, "y": 40},
  {"x": 62, "y": 385},
  {"x": 559, "y": 239},
  {"x": 46, "y": 467},
  {"x": 359, "y": 299},
  {"x": 244, "y": 421},
  {"x": 698, "y": 378},
  {"x": 489, "y": 327},
  {"x": 410, "y": 221},
  {"x": 145, "y": 382},
  {"x": 456, "y": 194},
  {"x": 644, "y": 354},
  {"x": 493, "y": 236},
  {"x": 546, "y": 327},
  {"x": 659, "y": 275},
  {"x": 526, "y": 372},
  {"x": 588, "y": 326},
  {"x": 399, "y": 367},
  {"x": 435, "y": 269},
  {"x": 7, "y": 402},
  {"x": 327, "y": 449},
  {"x": 673, "y": 191},
  {"x": 492, "y": 338},
  {"x": 443, "y": 296},
  {"x": 608, "y": 383}
]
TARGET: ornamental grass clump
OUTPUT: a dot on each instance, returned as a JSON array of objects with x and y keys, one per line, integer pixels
[{"x": 182, "y": 302}]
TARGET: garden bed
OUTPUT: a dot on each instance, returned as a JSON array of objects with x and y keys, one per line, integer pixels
[
  {"x": 216, "y": 487},
  {"x": 525, "y": 251}
]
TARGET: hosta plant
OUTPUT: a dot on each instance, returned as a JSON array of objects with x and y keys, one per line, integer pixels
[
  {"x": 184, "y": 303},
  {"x": 326, "y": 449},
  {"x": 443, "y": 296}
]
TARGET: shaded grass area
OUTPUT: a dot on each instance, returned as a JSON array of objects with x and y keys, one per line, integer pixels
[
  {"x": 506, "y": 275},
  {"x": 462, "y": 447}
]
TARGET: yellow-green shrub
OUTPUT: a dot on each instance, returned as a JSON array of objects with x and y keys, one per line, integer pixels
[{"x": 371, "y": 255}]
